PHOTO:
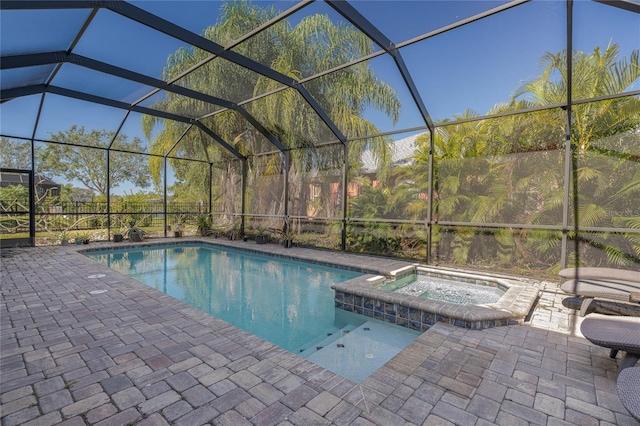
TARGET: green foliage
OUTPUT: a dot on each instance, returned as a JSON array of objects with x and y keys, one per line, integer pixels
[
  {"x": 203, "y": 222},
  {"x": 79, "y": 162},
  {"x": 313, "y": 45},
  {"x": 510, "y": 169},
  {"x": 373, "y": 237},
  {"x": 15, "y": 154},
  {"x": 134, "y": 233}
]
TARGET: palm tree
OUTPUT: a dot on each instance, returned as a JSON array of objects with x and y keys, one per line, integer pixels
[
  {"x": 510, "y": 169},
  {"x": 315, "y": 44},
  {"x": 606, "y": 138}
]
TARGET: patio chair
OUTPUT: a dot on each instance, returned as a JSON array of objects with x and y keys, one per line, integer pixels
[
  {"x": 628, "y": 385},
  {"x": 597, "y": 273},
  {"x": 616, "y": 333},
  {"x": 610, "y": 289}
]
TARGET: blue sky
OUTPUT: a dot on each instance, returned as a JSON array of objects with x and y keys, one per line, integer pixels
[{"x": 475, "y": 66}]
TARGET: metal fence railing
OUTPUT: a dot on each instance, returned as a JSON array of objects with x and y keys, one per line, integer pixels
[{"x": 56, "y": 217}]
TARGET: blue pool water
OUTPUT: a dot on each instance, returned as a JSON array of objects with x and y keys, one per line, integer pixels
[{"x": 288, "y": 303}]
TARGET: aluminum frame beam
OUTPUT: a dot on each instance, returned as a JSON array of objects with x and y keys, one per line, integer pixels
[
  {"x": 143, "y": 17},
  {"x": 23, "y": 91},
  {"x": 29, "y": 60},
  {"x": 150, "y": 20},
  {"x": 622, "y": 4},
  {"x": 219, "y": 140},
  {"x": 352, "y": 15},
  {"x": 41, "y": 88},
  {"x": 48, "y": 58}
]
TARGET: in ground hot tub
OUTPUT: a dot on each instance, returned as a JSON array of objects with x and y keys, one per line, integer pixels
[
  {"x": 417, "y": 297},
  {"x": 449, "y": 289}
]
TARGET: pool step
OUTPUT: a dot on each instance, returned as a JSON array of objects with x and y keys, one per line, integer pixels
[
  {"x": 325, "y": 340},
  {"x": 359, "y": 352}
]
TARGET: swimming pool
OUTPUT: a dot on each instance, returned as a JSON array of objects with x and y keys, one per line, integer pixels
[{"x": 288, "y": 303}]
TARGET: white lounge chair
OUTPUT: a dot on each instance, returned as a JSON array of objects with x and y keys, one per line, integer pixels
[
  {"x": 597, "y": 273},
  {"x": 609, "y": 289}
]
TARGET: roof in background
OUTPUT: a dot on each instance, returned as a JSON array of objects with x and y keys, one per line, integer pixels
[
  {"x": 7, "y": 179},
  {"x": 402, "y": 151}
]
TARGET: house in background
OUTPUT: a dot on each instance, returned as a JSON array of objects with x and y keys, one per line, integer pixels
[
  {"x": 44, "y": 186},
  {"x": 402, "y": 152}
]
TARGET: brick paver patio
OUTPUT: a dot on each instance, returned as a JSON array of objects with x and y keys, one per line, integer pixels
[{"x": 134, "y": 355}]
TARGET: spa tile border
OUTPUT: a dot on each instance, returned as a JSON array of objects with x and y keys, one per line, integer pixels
[{"x": 359, "y": 295}]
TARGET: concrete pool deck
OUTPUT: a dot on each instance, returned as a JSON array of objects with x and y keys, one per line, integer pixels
[{"x": 134, "y": 355}]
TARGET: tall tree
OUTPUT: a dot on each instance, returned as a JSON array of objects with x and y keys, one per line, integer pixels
[
  {"x": 77, "y": 159},
  {"x": 606, "y": 141},
  {"x": 15, "y": 154},
  {"x": 315, "y": 44},
  {"x": 511, "y": 169}
]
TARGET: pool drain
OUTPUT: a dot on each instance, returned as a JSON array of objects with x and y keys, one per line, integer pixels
[{"x": 369, "y": 356}]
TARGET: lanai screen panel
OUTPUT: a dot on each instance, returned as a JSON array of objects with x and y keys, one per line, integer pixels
[
  {"x": 594, "y": 52},
  {"x": 608, "y": 171},
  {"x": 194, "y": 16},
  {"x": 78, "y": 122},
  {"x": 288, "y": 116},
  {"x": 23, "y": 77},
  {"x": 174, "y": 103},
  {"x": 18, "y": 116},
  {"x": 74, "y": 197},
  {"x": 14, "y": 191},
  {"x": 133, "y": 129},
  {"x": 119, "y": 41},
  {"x": 388, "y": 195},
  {"x": 157, "y": 135},
  {"x": 502, "y": 249},
  {"x": 218, "y": 77},
  {"x": 476, "y": 69},
  {"x": 310, "y": 41},
  {"x": 86, "y": 80},
  {"x": 37, "y": 31},
  {"x": 504, "y": 170},
  {"x": 367, "y": 98},
  {"x": 389, "y": 178},
  {"x": 15, "y": 153},
  {"x": 316, "y": 195},
  {"x": 187, "y": 192},
  {"x": 265, "y": 188},
  {"x": 188, "y": 177},
  {"x": 215, "y": 150},
  {"x": 397, "y": 19},
  {"x": 188, "y": 182},
  {"x": 174, "y": 142},
  {"x": 226, "y": 188},
  {"x": 234, "y": 129},
  {"x": 130, "y": 178}
]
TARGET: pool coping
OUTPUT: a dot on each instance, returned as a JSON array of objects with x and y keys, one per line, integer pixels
[
  {"x": 359, "y": 296},
  {"x": 337, "y": 261}
]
